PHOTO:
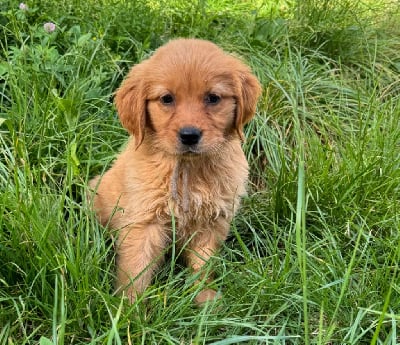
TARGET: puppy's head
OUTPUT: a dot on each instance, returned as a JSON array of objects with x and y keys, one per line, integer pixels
[{"x": 188, "y": 98}]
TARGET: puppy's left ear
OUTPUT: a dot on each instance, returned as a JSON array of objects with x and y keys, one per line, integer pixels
[{"x": 249, "y": 92}]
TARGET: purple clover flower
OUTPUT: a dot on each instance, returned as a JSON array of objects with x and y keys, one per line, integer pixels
[{"x": 49, "y": 27}]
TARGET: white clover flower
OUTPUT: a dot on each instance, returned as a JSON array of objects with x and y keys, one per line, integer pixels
[
  {"x": 23, "y": 7},
  {"x": 49, "y": 27}
]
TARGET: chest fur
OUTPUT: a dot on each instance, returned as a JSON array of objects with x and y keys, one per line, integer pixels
[{"x": 191, "y": 193}]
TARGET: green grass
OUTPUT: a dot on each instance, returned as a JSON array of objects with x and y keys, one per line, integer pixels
[{"x": 313, "y": 256}]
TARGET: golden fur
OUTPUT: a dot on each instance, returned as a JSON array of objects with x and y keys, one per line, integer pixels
[{"x": 185, "y": 108}]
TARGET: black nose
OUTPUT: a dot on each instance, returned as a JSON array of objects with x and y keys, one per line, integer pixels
[{"x": 189, "y": 135}]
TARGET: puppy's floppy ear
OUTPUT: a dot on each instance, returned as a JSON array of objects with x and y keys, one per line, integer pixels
[
  {"x": 249, "y": 91},
  {"x": 130, "y": 100}
]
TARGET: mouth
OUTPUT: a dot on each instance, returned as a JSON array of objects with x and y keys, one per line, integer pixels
[{"x": 189, "y": 151}]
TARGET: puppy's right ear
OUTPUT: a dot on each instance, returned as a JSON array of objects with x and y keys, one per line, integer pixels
[{"x": 130, "y": 100}]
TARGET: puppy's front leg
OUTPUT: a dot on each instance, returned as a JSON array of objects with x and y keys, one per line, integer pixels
[
  {"x": 204, "y": 245},
  {"x": 139, "y": 252}
]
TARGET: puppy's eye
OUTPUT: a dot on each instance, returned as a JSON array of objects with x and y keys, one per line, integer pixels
[
  {"x": 212, "y": 98},
  {"x": 167, "y": 99}
]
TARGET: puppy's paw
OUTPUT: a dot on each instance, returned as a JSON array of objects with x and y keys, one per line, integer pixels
[{"x": 206, "y": 295}]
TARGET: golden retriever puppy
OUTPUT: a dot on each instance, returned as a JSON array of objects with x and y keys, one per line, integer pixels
[{"x": 183, "y": 170}]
